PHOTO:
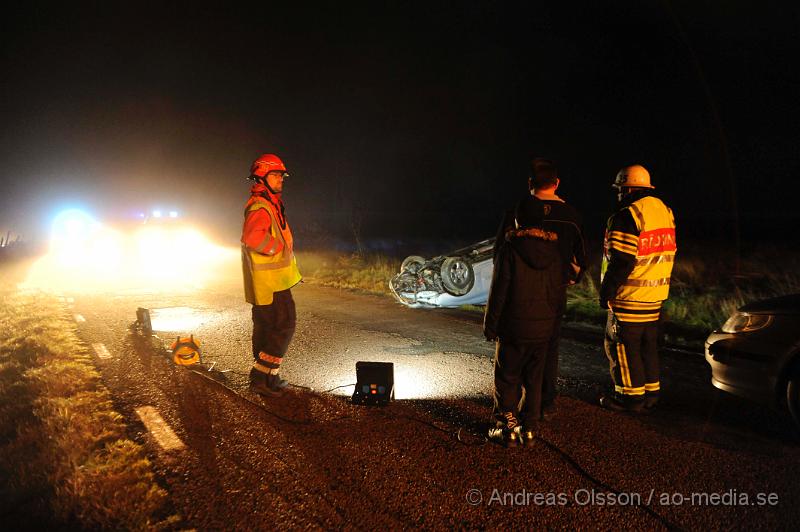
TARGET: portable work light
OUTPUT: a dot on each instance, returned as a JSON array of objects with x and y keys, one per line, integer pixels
[
  {"x": 143, "y": 320},
  {"x": 374, "y": 383}
]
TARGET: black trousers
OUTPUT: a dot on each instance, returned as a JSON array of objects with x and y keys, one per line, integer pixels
[
  {"x": 550, "y": 378},
  {"x": 273, "y": 328},
  {"x": 517, "y": 366},
  {"x": 632, "y": 352}
]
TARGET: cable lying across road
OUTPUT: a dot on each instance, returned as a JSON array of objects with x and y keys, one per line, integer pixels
[
  {"x": 231, "y": 391},
  {"x": 585, "y": 474}
]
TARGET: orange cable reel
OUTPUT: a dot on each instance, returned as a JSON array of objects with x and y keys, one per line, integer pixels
[{"x": 186, "y": 351}]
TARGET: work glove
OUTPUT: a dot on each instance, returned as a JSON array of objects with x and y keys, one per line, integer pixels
[
  {"x": 603, "y": 303},
  {"x": 490, "y": 335}
]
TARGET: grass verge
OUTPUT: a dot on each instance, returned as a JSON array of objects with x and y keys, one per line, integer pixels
[
  {"x": 65, "y": 461},
  {"x": 365, "y": 272}
]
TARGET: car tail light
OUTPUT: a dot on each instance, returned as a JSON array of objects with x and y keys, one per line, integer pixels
[{"x": 741, "y": 322}]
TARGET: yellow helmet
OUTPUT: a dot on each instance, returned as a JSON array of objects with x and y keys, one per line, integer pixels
[{"x": 633, "y": 176}]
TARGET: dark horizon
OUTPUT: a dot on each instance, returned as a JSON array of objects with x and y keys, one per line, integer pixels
[{"x": 410, "y": 119}]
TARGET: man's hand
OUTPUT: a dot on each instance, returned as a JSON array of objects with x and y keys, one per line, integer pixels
[
  {"x": 604, "y": 303},
  {"x": 490, "y": 335}
]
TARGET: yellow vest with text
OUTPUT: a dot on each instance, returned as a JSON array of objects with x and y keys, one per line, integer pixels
[
  {"x": 654, "y": 248},
  {"x": 266, "y": 274}
]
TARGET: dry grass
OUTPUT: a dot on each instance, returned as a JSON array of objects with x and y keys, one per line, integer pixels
[
  {"x": 709, "y": 284},
  {"x": 368, "y": 272},
  {"x": 63, "y": 448}
]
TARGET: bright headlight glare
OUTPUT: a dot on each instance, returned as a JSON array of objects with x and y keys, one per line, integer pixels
[
  {"x": 72, "y": 225},
  {"x": 741, "y": 322}
]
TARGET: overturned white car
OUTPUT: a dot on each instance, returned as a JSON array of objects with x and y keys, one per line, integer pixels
[{"x": 462, "y": 277}]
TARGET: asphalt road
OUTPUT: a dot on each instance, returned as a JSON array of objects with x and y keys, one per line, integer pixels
[{"x": 310, "y": 458}]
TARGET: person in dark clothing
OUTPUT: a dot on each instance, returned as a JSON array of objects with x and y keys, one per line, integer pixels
[
  {"x": 562, "y": 219},
  {"x": 524, "y": 301}
]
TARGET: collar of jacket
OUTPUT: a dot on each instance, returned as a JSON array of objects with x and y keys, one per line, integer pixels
[
  {"x": 635, "y": 196},
  {"x": 547, "y": 197},
  {"x": 260, "y": 189}
]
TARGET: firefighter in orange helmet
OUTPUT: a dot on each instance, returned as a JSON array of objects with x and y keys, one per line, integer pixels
[
  {"x": 270, "y": 271},
  {"x": 638, "y": 254}
]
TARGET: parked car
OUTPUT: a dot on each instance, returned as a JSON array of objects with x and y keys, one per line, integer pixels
[
  {"x": 756, "y": 353},
  {"x": 462, "y": 277}
]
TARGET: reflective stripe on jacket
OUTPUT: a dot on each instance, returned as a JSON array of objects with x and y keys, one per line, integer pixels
[
  {"x": 653, "y": 247},
  {"x": 269, "y": 266}
]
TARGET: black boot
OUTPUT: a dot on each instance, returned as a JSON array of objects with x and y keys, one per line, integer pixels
[
  {"x": 527, "y": 435},
  {"x": 619, "y": 403},
  {"x": 275, "y": 382},
  {"x": 504, "y": 436},
  {"x": 260, "y": 384},
  {"x": 650, "y": 401},
  {"x": 506, "y": 432}
]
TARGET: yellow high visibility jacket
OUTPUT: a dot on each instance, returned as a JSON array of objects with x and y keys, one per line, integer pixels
[
  {"x": 651, "y": 243},
  {"x": 270, "y": 270}
]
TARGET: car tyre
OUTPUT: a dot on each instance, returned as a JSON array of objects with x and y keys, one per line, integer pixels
[
  {"x": 457, "y": 276},
  {"x": 793, "y": 397},
  {"x": 412, "y": 264}
]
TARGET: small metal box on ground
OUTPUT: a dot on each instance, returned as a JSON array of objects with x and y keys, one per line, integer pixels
[
  {"x": 143, "y": 320},
  {"x": 374, "y": 383}
]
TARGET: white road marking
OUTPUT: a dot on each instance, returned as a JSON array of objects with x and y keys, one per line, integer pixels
[
  {"x": 79, "y": 318},
  {"x": 159, "y": 428},
  {"x": 101, "y": 350}
]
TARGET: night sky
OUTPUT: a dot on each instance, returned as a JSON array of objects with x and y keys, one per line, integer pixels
[{"x": 406, "y": 119}]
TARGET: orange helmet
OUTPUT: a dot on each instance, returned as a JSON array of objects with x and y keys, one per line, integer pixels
[{"x": 265, "y": 164}]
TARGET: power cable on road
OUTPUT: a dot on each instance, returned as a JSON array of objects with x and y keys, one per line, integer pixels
[
  {"x": 205, "y": 375},
  {"x": 585, "y": 474}
]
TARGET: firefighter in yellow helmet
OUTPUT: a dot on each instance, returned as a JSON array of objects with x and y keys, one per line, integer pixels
[
  {"x": 638, "y": 254},
  {"x": 270, "y": 271}
]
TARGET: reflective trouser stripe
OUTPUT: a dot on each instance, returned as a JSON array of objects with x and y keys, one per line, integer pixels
[
  {"x": 652, "y": 386},
  {"x": 265, "y": 370},
  {"x": 269, "y": 358},
  {"x": 262, "y": 368},
  {"x": 629, "y": 390},
  {"x": 270, "y": 361},
  {"x": 624, "y": 370}
]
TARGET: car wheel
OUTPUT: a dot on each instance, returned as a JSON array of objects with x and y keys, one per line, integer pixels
[
  {"x": 793, "y": 397},
  {"x": 412, "y": 264},
  {"x": 457, "y": 276}
]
